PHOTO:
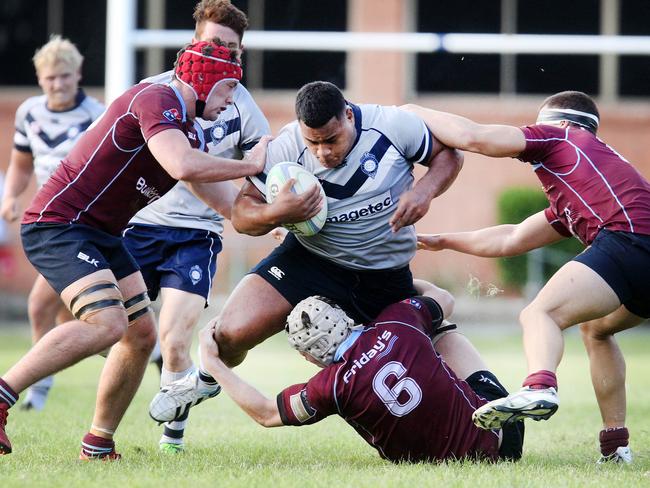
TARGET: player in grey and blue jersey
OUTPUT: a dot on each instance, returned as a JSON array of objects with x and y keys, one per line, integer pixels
[
  {"x": 47, "y": 127},
  {"x": 176, "y": 239},
  {"x": 364, "y": 157}
]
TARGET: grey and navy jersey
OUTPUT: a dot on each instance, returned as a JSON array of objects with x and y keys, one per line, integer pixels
[
  {"x": 363, "y": 192},
  {"x": 232, "y": 135},
  {"x": 50, "y": 135}
]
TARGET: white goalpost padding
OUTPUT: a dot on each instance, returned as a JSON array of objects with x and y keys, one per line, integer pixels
[{"x": 123, "y": 39}]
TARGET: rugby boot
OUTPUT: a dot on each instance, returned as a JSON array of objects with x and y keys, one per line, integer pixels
[
  {"x": 173, "y": 401},
  {"x": 5, "y": 445},
  {"x": 622, "y": 455},
  {"x": 527, "y": 403}
]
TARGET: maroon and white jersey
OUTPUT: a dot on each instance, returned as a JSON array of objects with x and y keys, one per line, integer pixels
[
  {"x": 110, "y": 173},
  {"x": 588, "y": 184},
  {"x": 397, "y": 393}
]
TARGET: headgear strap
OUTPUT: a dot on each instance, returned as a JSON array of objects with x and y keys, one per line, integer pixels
[
  {"x": 583, "y": 119},
  {"x": 202, "y": 66}
]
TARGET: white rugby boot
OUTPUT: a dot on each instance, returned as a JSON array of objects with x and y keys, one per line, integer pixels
[
  {"x": 175, "y": 399},
  {"x": 527, "y": 403},
  {"x": 622, "y": 455}
]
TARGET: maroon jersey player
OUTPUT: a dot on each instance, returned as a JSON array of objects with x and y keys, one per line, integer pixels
[
  {"x": 596, "y": 195},
  {"x": 132, "y": 155},
  {"x": 386, "y": 379}
]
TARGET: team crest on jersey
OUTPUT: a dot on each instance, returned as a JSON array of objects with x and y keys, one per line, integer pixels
[
  {"x": 369, "y": 164},
  {"x": 219, "y": 131},
  {"x": 171, "y": 114},
  {"x": 195, "y": 274},
  {"x": 73, "y": 132},
  {"x": 414, "y": 303}
]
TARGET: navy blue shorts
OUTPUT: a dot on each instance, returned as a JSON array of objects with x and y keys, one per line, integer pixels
[
  {"x": 64, "y": 253},
  {"x": 170, "y": 257},
  {"x": 297, "y": 273},
  {"x": 622, "y": 259}
]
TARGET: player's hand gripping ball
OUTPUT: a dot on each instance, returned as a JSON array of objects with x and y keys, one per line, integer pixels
[{"x": 275, "y": 180}]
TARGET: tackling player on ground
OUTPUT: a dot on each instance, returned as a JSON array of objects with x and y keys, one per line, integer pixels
[
  {"x": 145, "y": 141},
  {"x": 596, "y": 196},
  {"x": 405, "y": 383},
  {"x": 47, "y": 127}
]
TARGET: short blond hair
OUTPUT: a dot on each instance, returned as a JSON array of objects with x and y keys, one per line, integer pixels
[{"x": 58, "y": 50}]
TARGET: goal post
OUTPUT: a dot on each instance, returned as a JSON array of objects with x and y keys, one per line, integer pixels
[{"x": 123, "y": 39}]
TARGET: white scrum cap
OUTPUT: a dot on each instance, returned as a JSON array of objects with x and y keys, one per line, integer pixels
[{"x": 317, "y": 326}]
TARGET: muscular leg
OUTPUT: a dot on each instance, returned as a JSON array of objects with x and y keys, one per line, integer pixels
[
  {"x": 42, "y": 307},
  {"x": 443, "y": 297},
  {"x": 179, "y": 315},
  {"x": 45, "y": 310},
  {"x": 460, "y": 354},
  {"x": 125, "y": 365},
  {"x": 607, "y": 364},
  {"x": 574, "y": 294},
  {"x": 254, "y": 312},
  {"x": 70, "y": 342}
]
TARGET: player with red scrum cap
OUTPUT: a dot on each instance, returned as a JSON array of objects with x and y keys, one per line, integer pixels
[{"x": 144, "y": 143}]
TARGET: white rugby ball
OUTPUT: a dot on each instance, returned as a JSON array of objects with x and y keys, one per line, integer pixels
[{"x": 276, "y": 179}]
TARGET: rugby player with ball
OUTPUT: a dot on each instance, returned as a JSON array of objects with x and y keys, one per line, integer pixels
[{"x": 363, "y": 156}]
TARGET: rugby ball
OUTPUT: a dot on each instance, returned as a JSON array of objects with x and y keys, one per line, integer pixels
[{"x": 276, "y": 179}]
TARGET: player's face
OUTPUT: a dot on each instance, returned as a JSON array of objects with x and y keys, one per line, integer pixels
[
  {"x": 332, "y": 142},
  {"x": 210, "y": 30},
  {"x": 60, "y": 84},
  {"x": 219, "y": 99}
]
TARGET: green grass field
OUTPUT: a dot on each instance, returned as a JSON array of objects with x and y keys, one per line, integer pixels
[{"x": 225, "y": 448}]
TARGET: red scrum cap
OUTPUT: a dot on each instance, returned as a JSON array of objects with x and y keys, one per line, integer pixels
[{"x": 203, "y": 65}]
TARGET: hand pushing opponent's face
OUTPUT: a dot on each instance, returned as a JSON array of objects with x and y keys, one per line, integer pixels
[{"x": 332, "y": 142}]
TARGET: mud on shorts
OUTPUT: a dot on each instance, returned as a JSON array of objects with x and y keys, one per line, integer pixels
[
  {"x": 297, "y": 273},
  {"x": 622, "y": 259},
  {"x": 64, "y": 253},
  {"x": 169, "y": 257}
]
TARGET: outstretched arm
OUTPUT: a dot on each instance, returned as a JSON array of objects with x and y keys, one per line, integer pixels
[
  {"x": 260, "y": 408},
  {"x": 219, "y": 196},
  {"x": 174, "y": 153},
  {"x": 497, "y": 241},
  {"x": 462, "y": 133}
]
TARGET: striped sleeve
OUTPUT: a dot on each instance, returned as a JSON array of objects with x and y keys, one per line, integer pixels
[
  {"x": 21, "y": 141},
  {"x": 556, "y": 223},
  {"x": 540, "y": 141},
  {"x": 411, "y": 136},
  {"x": 308, "y": 403}
]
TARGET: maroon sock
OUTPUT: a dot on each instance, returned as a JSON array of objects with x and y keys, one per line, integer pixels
[
  {"x": 7, "y": 395},
  {"x": 613, "y": 438},
  {"x": 541, "y": 379},
  {"x": 95, "y": 446}
]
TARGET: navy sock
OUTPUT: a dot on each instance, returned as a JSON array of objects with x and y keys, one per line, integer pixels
[{"x": 206, "y": 378}]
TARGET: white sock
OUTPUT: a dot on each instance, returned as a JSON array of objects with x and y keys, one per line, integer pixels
[
  {"x": 37, "y": 393},
  {"x": 176, "y": 427},
  {"x": 167, "y": 377}
]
